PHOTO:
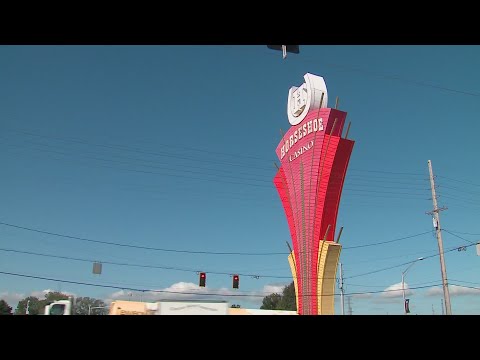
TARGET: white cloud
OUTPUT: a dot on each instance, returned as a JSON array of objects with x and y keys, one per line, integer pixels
[
  {"x": 41, "y": 293},
  {"x": 395, "y": 290},
  {"x": 12, "y": 299},
  {"x": 454, "y": 290},
  {"x": 270, "y": 289},
  {"x": 191, "y": 291}
]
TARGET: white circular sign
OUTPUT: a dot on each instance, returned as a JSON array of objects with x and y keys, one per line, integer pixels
[{"x": 306, "y": 97}]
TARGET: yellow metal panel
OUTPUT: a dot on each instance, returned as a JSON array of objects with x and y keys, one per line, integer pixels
[{"x": 328, "y": 256}]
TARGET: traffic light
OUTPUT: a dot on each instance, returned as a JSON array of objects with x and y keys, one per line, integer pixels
[
  {"x": 203, "y": 278},
  {"x": 236, "y": 279}
]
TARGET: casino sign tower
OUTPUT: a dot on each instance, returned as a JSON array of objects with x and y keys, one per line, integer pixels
[{"x": 314, "y": 158}]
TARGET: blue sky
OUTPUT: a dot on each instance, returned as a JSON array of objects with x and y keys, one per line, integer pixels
[{"x": 173, "y": 147}]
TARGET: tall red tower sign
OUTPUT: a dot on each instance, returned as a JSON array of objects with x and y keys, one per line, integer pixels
[{"x": 314, "y": 159}]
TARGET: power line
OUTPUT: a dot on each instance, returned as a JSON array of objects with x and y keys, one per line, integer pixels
[
  {"x": 386, "y": 286},
  {"x": 463, "y": 205},
  {"x": 135, "y": 161},
  {"x": 391, "y": 180},
  {"x": 458, "y": 237},
  {"x": 216, "y": 179},
  {"x": 123, "y": 287},
  {"x": 456, "y": 248},
  {"x": 217, "y": 176},
  {"x": 417, "y": 253},
  {"x": 471, "y": 242},
  {"x": 256, "y": 275},
  {"x": 185, "y": 251},
  {"x": 458, "y": 189},
  {"x": 468, "y": 201},
  {"x": 185, "y": 292},
  {"x": 191, "y": 270},
  {"x": 390, "y": 77},
  {"x": 465, "y": 233},
  {"x": 460, "y": 181},
  {"x": 466, "y": 282},
  {"x": 132, "y": 149},
  {"x": 387, "y": 172},
  {"x": 385, "y": 192},
  {"x": 379, "y": 270},
  {"x": 469, "y": 287},
  {"x": 175, "y": 268},
  {"x": 175, "y": 175},
  {"x": 415, "y": 197},
  {"x": 409, "y": 262},
  {"x": 385, "y": 242},
  {"x": 139, "y": 246},
  {"x": 389, "y": 187},
  {"x": 141, "y": 265},
  {"x": 388, "y": 291},
  {"x": 126, "y": 148}
]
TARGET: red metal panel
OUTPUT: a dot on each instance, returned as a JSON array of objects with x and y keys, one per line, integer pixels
[
  {"x": 309, "y": 183},
  {"x": 281, "y": 185},
  {"x": 331, "y": 184}
]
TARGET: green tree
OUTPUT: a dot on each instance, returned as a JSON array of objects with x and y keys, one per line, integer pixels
[
  {"x": 54, "y": 296},
  {"x": 4, "y": 308},
  {"x": 35, "y": 306},
  {"x": 271, "y": 302},
  {"x": 286, "y": 301},
  {"x": 96, "y": 306},
  {"x": 289, "y": 299}
]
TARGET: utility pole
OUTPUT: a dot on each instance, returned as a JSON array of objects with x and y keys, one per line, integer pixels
[
  {"x": 443, "y": 312},
  {"x": 341, "y": 289},
  {"x": 27, "y": 311},
  {"x": 349, "y": 305},
  {"x": 436, "y": 210}
]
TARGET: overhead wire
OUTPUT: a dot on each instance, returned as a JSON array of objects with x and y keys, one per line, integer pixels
[
  {"x": 460, "y": 237},
  {"x": 215, "y": 177},
  {"x": 223, "y": 294},
  {"x": 186, "y": 251},
  {"x": 306, "y": 58}
]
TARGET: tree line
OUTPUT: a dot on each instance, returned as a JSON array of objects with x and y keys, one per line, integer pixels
[
  {"x": 36, "y": 306},
  {"x": 83, "y": 305}
]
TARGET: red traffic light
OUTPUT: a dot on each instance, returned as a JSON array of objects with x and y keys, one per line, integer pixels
[
  {"x": 203, "y": 278},
  {"x": 236, "y": 280}
]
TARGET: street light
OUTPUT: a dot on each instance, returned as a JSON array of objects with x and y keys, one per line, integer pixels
[{"x": 403, "y": 283}]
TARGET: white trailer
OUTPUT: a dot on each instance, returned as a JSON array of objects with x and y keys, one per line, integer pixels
[{"x": 191, "y": 307}]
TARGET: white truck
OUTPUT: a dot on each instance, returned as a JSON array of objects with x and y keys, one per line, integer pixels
[
  {"x": 60, "y": 307},
  {"x": 166, "y": 307},
  {"x": 169, "y": 307},
  {"x": 163, "y": 307}
]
